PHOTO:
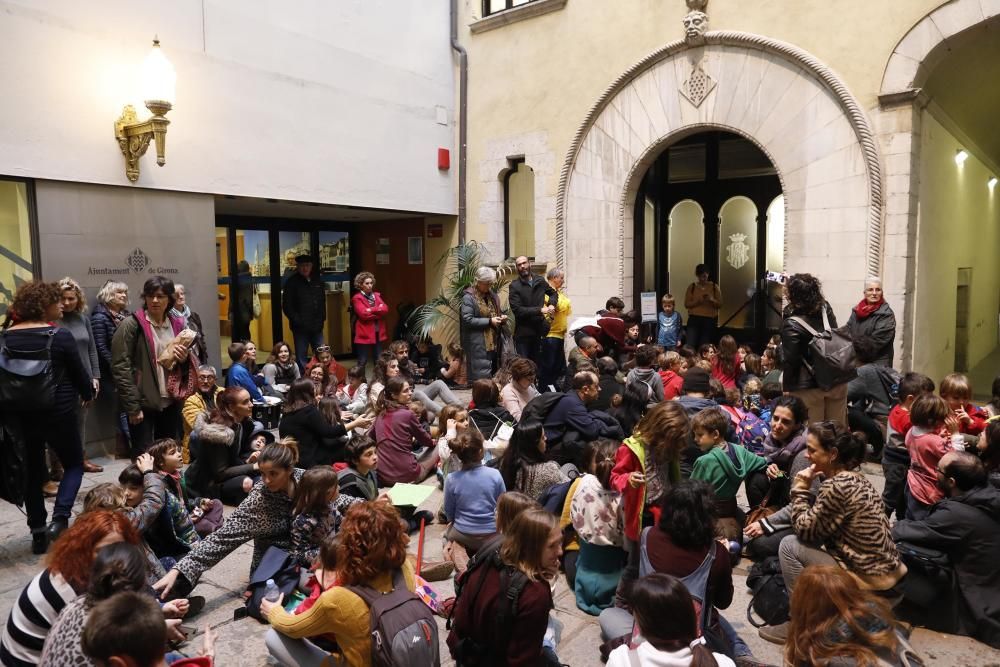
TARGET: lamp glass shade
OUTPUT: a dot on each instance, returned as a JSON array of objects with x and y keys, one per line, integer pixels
[{"x": 158, "y": 77}]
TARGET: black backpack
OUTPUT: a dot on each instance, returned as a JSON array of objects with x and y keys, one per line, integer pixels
[
  {"x": 537, "y": 410},
  {"x": 770, "y": 597},
  {"x": 27, "y": 378}
]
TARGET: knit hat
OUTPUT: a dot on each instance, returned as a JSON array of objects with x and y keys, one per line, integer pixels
[{"x": 696, "y": 381}]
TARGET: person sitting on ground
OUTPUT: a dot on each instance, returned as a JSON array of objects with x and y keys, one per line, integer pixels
[
  {"x": 200, "y": 402},
  {"x": 611, "y": 387},
  {"x": 117, "y": 567},
  {"x": 425, "y": 355},
  {"x": 847, "y": 519},
  {"x": 771, "y": 366},
  {"x": 315, "y": 517},
  {"x": 665, "y": 613},
  {"x": 834, "y": 621},
  {"x": 524, "y": 465},
  {"x": 454, "y": 371},
  {"x": 634, "y": 404},
  {"x": 956, "y": 390},
  {"x": 452, "y": 422},
  {"x": 521, "y": 389},
  {"x": 646, "y": 374},
  {"x": 570, "y": 424},
  {"x": 127, "y": 629},
  {"x": 428, "y": 392},
  {"x": 471, "y": 495},
  {"x": 696, "y": 390},
  {"x": 406, "y": 451},
  {"x": 324, "y": 357},
  {"x": 372, "y": 553},
  {"x": 988, "y": 449},
  {"x": 583, "y": 357},
  {"x": 671, "y": 373},
  {"x": 926, "y": 443},
  {"x": 353, "y": 395},
  {"x": 965, "y": 526},
  {"x": 358, "y": 479},
  {"x": 204, "y": 513},
  {"x": 239, "y": 375},
  {"x": 159, "y": 515},
  {"x": 487, "y": 414},
  {"x": 320, "y": 443},
  {"x": 223, "y": 468},
  {"x": 992, "y": 409},
  {"x": 280, "y": 367},
  {"x": 726, "y": 363},
  {"x": 724, "y": 466},
  {"x": 784, "y": 448},
  {"x": 66, "y": 576},
  {"x": 531, "y": 549},
  {"x": 895, "y": 457},
  {"x": 324, "y": 384}
]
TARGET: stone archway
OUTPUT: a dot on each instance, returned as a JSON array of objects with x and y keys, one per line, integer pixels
[{"x": 783, "y": 99}]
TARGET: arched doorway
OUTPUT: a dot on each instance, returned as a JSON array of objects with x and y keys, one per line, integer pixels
[{"x": 713, "y": 197}]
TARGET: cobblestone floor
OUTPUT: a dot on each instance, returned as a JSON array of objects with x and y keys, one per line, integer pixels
[{"x": 242, "y": 642}]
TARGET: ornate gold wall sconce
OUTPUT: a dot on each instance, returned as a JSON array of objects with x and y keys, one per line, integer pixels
[{"x": 133, "y": 135}]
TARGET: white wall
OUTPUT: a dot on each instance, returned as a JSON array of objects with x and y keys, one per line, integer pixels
[
  {"x": 313, "y": 100},
  {"x": 959, "y": 226}
]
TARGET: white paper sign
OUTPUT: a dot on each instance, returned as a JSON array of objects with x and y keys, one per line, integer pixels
[{"x": 647, "y": 305}]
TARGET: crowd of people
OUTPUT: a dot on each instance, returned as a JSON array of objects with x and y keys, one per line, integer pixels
[{"x": 618, "y": 466}]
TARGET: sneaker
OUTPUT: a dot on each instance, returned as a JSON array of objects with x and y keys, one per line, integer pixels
[
  {"x": 776, "y": 634},
  {"x": 438, "y": 571}
]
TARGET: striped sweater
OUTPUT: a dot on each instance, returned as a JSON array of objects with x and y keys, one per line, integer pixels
[
  {"x": 848, "y": 519},
  {"x": 32, "y": 617}
]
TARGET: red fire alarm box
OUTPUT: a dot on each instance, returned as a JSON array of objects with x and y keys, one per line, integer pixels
[{"x": 444, "y": 159}]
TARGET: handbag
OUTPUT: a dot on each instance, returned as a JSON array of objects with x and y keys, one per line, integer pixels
[
  {"x": 256, "y": 304},
  {"x": 275, "y": 564},
  {"x": 27, "y": 378},
  {"x": 763, "y": 510},
  {"x": 834, "y": 360},
  {"x": 182, "y": 380}
]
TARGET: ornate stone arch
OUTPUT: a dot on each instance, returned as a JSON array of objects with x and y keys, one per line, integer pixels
[{"x": 793, "y": 107}]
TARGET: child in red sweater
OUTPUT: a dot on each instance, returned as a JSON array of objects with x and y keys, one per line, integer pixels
[
  {"x": 956, "y": 390},
  {"x": 895, "y": 457},
  {"x": 672, "y": 373}
]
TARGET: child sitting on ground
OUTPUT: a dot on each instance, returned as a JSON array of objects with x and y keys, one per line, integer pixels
[
  {"x": 895, "y": 457},
  {"x": 645, "y": 374},
  {"x": 314, "y": 517},
  {"x": 956, "y": 390},
  {"x": 455, "y": 373},
  {"x": 453, "y": 420},
  {"x": 324, "y": 358},
  {"x": 725, "y": 466},
  {"x": 471, "y": 494},
  {"x": 205, "y": 513},
  {"x": 353, "y": 396},
  {"x": 358, "y": 479},
  {"x": 170, "y": 532},
  {"x": 671, "y": 374},
  {"x": 926, "y": 443}
]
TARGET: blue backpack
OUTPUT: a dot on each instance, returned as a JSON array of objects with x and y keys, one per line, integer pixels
[{"x": 751, "y": 432}]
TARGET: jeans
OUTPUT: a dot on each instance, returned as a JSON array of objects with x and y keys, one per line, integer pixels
[
  {"x": 366, "y": 352},
  {"x": 302, "y": 340},
  {"x": 796, "y": 556},
  {"x": 437, "y": 389},
  {"x": 155, "y": 425},
  {"x": 700, "y": 330},
  {"x": 295, "y": 652},
  {"x": 740, "y": 648},
  {"x": 529, "y": 347},
  {"x": 553, "y": 366},
  {"x": 61, "y": 434}
]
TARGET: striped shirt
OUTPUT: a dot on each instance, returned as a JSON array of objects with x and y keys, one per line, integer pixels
[{"x": 32, "y": 617}]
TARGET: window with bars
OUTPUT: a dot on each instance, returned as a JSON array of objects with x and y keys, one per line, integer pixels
[{"x": 494, "y": 6}]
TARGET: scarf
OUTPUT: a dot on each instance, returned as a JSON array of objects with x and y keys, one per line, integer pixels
[
  {"x": 118, "y": 316},
  {"x": 370, "y": 298},
  {"x": 487, "y": 308},
  {"x": 864, "y": 309},
  {"x": 186, "y": 313}
]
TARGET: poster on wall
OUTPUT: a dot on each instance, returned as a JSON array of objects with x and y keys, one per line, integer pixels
[
  {"x": 647, "y": 305},
  {"x": 382, "y": 251},
  {"x": 415, "y": 249}
]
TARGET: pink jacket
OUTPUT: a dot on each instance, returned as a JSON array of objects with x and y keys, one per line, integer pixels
[{"x": 370, "y": 319}]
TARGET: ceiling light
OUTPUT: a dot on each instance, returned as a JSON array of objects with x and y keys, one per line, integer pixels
[
  {"x": 992, "y": 183},
  {"x": 961, "y": 156}
]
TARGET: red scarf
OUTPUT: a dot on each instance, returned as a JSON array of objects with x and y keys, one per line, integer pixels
[{"x": 864, "y": 309}]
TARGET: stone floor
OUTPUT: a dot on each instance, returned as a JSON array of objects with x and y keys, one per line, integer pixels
[{"x": 242, "y": 642}]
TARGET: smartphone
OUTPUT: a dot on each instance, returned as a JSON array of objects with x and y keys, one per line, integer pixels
[{"x": 776, "y": 277}]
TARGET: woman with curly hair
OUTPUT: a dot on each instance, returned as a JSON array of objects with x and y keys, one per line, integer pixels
[
  {"x": 372, "y": 552},
  {"x": 369, "y": 311},
  {"x": 834, "y": 621},
  {"x": 808, "y": 309},
  {"x": 66, "y": 576},
  {"x": 36, "y": 306}
]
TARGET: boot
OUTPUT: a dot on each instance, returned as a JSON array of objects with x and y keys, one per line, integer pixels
[
  {"x": 39, "y": 542},
  {"x": 56, "y": 528}
]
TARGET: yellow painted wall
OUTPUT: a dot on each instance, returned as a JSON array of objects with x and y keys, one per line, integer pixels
[
  {"x": 959, "y": 226},
  {"x": 544, "y": 73}
]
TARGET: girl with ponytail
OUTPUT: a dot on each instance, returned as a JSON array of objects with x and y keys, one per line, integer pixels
[{"x": 596, "y": 513}]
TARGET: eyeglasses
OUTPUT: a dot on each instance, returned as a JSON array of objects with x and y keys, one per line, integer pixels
[{"x": 323, "y": 348}]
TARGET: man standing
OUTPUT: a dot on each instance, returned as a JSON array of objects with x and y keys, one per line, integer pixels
[
  {"x": 527, "y": 301},
  {"x": 304, "y": 303}
]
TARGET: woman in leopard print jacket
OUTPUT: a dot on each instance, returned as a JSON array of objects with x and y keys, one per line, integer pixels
[{"x": 265, "y": 517}]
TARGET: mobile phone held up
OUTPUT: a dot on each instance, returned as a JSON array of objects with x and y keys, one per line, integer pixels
[{"x": 775, "y": 277}]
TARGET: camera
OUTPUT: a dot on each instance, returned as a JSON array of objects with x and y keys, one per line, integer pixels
[{"x": 775, "y": 277}]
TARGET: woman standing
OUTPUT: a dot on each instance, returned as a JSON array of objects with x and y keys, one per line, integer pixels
[
  {"x": 806, "y": 302},
  {"x": 36, "y": 305},
  {"x": 370, "y": 311},
  {"x": 242, "y": 298},
  {"x": 873, "y": 325},
  {"x": 482, "y": 325},
  {"x": 110, "y": 311},
  {"x": 703, "y": 300},
  {"x": 74, "y": 306},
  {"x": 193, "y": 322},
  {"x": 397, "y": 432}
]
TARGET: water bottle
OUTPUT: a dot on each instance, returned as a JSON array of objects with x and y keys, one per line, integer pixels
[{"x": 271, "y": 592}]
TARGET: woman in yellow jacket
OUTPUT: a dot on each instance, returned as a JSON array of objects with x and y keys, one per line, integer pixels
[{"x": 200, "y": 402}]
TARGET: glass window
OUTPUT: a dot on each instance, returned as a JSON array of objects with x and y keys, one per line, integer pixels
[
  {"x": 739, "y": 158},
  {"x": 649, "y": 246},
  {"x": 291, "y": 244},
  {"x": 686, "y": 248},
  {"x": 494, "y": 6},
  {"x": 775, "y": 258},
  {"x": 686, "y": 163},
  {"x": 16, "y": 258},
  {"x": 335, "y": 268},
  {"x": 251, "y": 291},
  {"x": 519, "y": 199},
  {"x": 737, "y": 261},
  {"x": 225, "y": 292}
]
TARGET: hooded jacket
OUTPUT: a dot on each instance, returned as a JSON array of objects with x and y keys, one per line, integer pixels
[
  {"x": 967, "y": 528},
  {"x": 693, "y": 405},
  {"x": 649, "y": 377},
  {"x": 220, "y": 456},
  {"x": 725, "y": 475},
  {"x": 672, "y": 384},
  {"x": 795, "y": 348}
]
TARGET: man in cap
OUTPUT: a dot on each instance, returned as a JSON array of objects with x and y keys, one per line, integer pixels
[{"x": 304, "y": 303}]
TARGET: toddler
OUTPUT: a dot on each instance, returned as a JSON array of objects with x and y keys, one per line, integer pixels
[
  {"x": 895, "y": 457},
  {"x": 926, "y": 443},
  {"x": 956, "y": 390}
]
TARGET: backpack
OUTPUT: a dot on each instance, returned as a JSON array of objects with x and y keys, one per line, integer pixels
[
  {"x": 403, "y": 629},
  {"x": 751, "y": 432},
  {"x": 770, "y": 597},
  {"x": 466, "y": 651},
  {"x": 274, "y": 564},
  {"x": 834, "y": 360},
  {"x": 27, "y": 378}
]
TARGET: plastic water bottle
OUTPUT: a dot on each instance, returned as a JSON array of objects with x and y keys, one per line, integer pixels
[{"x": 271, "y": 592}]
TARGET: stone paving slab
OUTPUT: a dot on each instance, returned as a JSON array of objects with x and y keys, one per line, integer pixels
[{"x": 242, "y": 642}]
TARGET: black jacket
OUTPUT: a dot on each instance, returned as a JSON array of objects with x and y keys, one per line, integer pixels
[
  {"x": 873, "y": 335},
  {"x": 319, "y": 442},
  {"x": 967, "y": 528},
  {"x": 103, "y": 326},
  {"x": 526, "y": 302},
  {"x": 430, "y": 361},
  {"x": 221, "y": 454},
  {"x": 304, "y": 303},
  {"x": 795, "y": 348}
]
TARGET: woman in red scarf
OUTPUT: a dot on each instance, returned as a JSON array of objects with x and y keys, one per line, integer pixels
[{"x": 873, "y": 326}]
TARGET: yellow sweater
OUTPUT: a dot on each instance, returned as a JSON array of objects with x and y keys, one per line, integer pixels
[
  {"x": 703, "y": 300},
  {"x": 560, "y": 320},
  {"x": 342, "y": 613}
]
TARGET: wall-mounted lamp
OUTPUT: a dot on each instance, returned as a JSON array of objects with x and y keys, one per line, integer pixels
[
  {"x": 133, "y": 135},
  {"x": 992, "y": 183},
  {"x": 961, "y": 156}
]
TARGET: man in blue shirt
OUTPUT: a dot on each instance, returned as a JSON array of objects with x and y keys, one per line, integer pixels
[{"x": 239, "y": 375}]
